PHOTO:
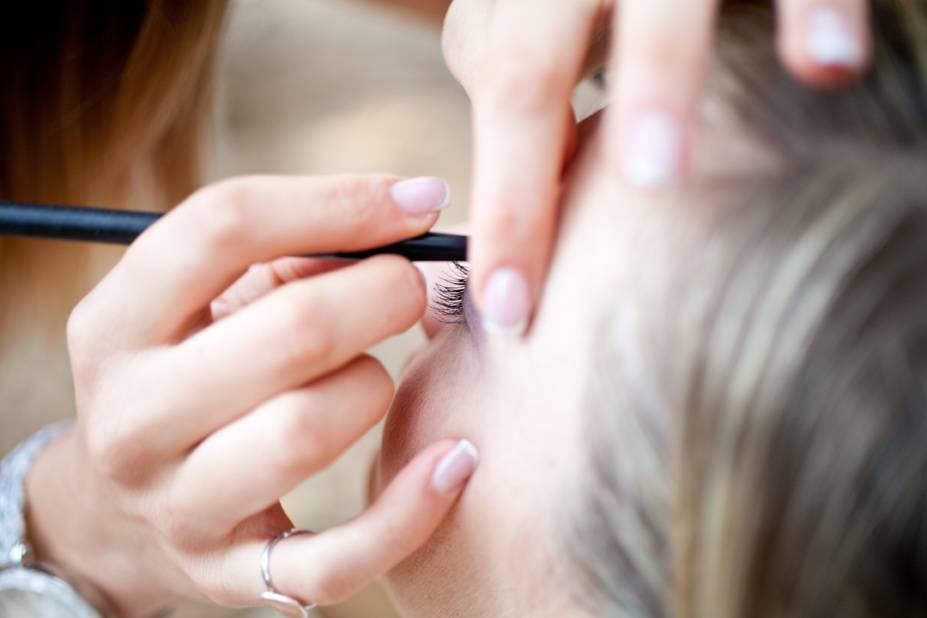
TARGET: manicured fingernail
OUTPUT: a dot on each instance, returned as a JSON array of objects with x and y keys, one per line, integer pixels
[
  {"x": 506, "y": 303},
  {"x": 455, "y": 468},
  {"x": 419, "y": 196},
  {"x": 832, "y": 40},
  {"x": 653, "y": 150}
]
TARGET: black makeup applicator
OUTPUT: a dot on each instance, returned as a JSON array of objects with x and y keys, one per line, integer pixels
[{"x": 121, "y": 227}]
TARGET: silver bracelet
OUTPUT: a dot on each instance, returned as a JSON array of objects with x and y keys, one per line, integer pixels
[
  {"x": 22, "y": 579},
  {"x": 14, "y": 549}
]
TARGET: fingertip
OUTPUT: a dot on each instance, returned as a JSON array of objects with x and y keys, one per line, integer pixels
[
  {"x": 455, "y": 468},
  {"x": 405, "y": 276},
  {"x": 651, "y": 147},
  {"x": 438, "y": 474},
  {"x": 503, "y": 293},
  {"x": 823, "y": 43},
  {"x": 507, "y": 302},
  {"x": 420, "y": 196}
]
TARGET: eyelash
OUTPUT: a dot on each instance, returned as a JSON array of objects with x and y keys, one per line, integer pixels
[{"x": 448, "y": 303}]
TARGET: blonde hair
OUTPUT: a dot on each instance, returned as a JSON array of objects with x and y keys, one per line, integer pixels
[
  {"x": 780, "y": 470},
  {"x": 105, "y": 105}
]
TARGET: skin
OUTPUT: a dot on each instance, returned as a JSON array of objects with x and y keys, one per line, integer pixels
[
  {"x": 181, "y": 364},
  {"x": 520, "y": 85},
  {"x": 158, "y": 499},
  {"x": 521, "y": 402},
  {"x": 154, "y": 463}
]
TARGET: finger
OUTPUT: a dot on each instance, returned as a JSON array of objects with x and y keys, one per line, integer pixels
[
  {"x": 658, "y": 63},
  {"x": 291, "y": 336},
  {"x": 521, "y": 101},
  {"x": 262, "y": 278},
  {"x": 825, "y": 42},
  {"x": 463, "y": 37},
  {"x": 329, "y": 567},
  {"x": 171, "y": 274},
  {"x": 286, "y": 440}
]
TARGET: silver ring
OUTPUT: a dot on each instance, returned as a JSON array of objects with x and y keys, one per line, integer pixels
[{"x": 286, "y": 605}]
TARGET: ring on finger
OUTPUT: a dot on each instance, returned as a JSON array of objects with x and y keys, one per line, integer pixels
[{"x": 286, "y": 605}]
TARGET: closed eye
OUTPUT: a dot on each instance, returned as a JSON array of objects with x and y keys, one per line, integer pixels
[{"x": 447, "y": 303}]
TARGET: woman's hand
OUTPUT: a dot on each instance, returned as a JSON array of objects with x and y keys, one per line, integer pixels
[
  {"x": 519, "y": 61},
  {"x": 202, "y": 400}
]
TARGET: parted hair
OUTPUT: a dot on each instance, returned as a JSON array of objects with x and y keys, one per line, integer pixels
[{"x": 771, "y": 459}]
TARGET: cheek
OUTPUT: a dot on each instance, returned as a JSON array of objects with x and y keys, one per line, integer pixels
[
  {"x": 426, "y": 407},
  {"x": 437, "y": 399},
  {"x": 408, "y": 429}
]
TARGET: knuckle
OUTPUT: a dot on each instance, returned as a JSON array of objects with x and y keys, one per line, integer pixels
[
  {"x": 507, "y": 218},
  {"x": 665, "y": 56},
  {"x": 510, "y": 226},
  {"x": 174, "y": 524},
  {"x": 179, "y": 519},
  {"x": 219, "y": 212},
  {"x": 354, "y": 199},
  {"x": 512, "y": 87},
  {"x": 109, "y": 452},
  {"x": 304, "y": 331},
  {"x": 216, "y": 584},
  {"x": 301, "y": 441},
  {"x": 222, "y": 591},
  {"x": 79, "y": 331}
]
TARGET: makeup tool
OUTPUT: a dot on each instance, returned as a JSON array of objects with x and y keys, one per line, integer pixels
[{"x": 123, "y": 226}]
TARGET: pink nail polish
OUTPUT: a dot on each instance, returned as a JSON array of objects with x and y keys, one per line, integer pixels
[
  {"x": 652, "y": 154},
  {"x": 455, "y": 468},
  {"x": 420, "y": 196},
  {"x": 506, "y": 303},
  {"x": 832, "y": 41}
]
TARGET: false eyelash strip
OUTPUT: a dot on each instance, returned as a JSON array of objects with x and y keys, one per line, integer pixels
[{"x": 447, "y": 305}]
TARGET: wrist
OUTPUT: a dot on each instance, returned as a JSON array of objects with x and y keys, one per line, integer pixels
[{"x": 74, "y": 533}]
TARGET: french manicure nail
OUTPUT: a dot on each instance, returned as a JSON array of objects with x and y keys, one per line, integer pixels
[
  {"x": 419, "y": 196},
  {"x": 653, "y": 151},
  {"x": 831, "y": 39},
  {"x": 455, "y": 468},
  {"x": 507, "y": 302}
]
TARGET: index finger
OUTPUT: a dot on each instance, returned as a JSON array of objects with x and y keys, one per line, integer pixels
[
  {"x": 522, "y": 120},
  {"x": 172, "y": 273}
]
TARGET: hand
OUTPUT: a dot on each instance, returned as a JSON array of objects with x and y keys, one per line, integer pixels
[
  {"x": 519, "y": 61},
  {"x": 195, "y": 415}
]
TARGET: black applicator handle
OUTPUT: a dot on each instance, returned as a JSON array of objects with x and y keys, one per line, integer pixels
[{"x": 122, "y": 227}]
